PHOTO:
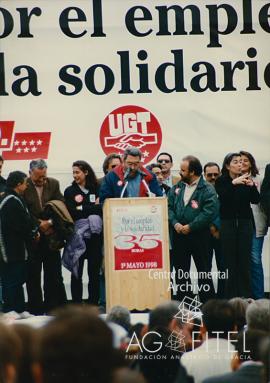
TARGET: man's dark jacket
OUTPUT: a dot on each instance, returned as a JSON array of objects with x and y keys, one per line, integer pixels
[
  {"x": 201, "y": 209},
  {"x": 51, "y": 191},
  {"x": 16, "y": 228}
]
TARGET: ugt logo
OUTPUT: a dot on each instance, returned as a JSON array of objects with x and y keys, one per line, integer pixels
[{"x": 131, "y": 126}]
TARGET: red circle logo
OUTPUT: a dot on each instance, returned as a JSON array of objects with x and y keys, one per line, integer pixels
[
  {"x": 78, "y": 198},
  {"x": 131, "y": 125}
]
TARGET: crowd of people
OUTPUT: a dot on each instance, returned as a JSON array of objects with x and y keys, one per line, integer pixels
[
  {"x": 77, "y": 345},
  {"x": 211, "y": 212}
]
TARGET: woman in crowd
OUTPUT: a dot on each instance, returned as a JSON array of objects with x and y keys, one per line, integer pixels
[
  {"x": 236, "y": 192},
  {"x": 260, "y": 222},
  {"x": 16, "y": 233},
  {"x": 83, "y": 204}
]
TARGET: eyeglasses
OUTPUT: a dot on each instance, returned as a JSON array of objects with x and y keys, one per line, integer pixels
[
  {"x": 163, "y": 161},
  {"x": 212, "y": 174},
  {"x": 133, "y": 163},
  {"x": 113, "y": 166}
]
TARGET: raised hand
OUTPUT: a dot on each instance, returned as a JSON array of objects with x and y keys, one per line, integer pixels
[{"x": 242, "y": 180}]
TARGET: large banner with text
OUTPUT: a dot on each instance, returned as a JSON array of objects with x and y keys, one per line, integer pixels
[{"x": 79, "y": 80}]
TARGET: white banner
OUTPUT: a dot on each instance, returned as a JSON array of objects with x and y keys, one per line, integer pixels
[{"x": 189, "y": 77}]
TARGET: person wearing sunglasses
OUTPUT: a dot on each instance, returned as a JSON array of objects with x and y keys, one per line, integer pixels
[
  {"x": 211, "y": 172},
  {"x": 166, "y": 162}
]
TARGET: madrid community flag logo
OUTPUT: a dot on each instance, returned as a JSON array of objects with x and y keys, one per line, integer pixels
[{"x": 23, "y": 146}]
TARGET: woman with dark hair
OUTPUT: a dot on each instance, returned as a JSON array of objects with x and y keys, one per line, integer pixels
[
  {"x": 260, "y": 229},
  {"x": 236, "y": 192},
  {"x": 248, "y": 163},
  {"x": 16, "y": 233},
  {"x": 82, "y": 202}
]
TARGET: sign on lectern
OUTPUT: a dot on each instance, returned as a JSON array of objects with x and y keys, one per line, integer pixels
[{"x": 136, "y": 247}]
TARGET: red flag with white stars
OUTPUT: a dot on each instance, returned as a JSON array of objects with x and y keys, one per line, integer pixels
[
  {"x": 6, "y": 131},
  {"x": 28, "y": 146}
]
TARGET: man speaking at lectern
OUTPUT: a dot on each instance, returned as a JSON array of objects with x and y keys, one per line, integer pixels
[{"x": 130, "y": 179}]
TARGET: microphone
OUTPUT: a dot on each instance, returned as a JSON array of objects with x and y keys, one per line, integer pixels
[{"x": 126, "y": 173}]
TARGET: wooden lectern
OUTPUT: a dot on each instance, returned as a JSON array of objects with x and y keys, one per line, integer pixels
[{"x": 136, "y": 246}]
